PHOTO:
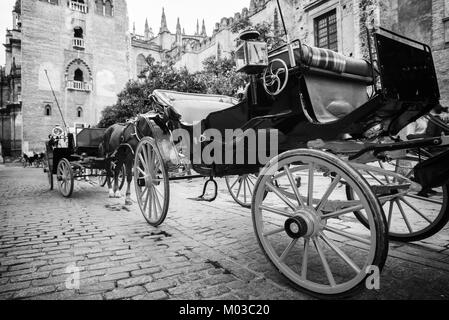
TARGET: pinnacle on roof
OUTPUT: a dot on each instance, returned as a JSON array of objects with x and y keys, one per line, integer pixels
[
  {"x": 178, "y": 27},
  {"x": 197, "y": 33},
  {"x": 203, "y": 31},
  {"x": 164, "y": 27}
]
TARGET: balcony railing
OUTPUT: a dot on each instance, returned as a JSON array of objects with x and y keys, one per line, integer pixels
[
  {"x": 80, "y": 7},
  {"x": 78, "y": 85},
  {"x": 78, "y": 43}
]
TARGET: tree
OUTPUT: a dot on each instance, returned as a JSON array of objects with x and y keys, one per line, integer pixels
[
  {"x": 18, "y": 7},
  {"x": 266, "y": 30},
  {"x": 218, "y": 77}
]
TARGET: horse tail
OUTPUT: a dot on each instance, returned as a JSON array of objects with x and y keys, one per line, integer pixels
[{"x": 104, "y": 145}]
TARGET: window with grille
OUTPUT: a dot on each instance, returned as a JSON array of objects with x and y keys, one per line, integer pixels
[{"x": 326, "y": 31}]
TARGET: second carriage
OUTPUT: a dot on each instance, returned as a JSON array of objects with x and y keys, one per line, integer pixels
[{"x": 71, "y": 158}]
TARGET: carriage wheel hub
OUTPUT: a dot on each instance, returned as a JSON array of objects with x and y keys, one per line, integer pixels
[{"x": 304, "y": 224}]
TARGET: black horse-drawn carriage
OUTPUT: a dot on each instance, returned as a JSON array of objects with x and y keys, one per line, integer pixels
[
  {"x": 71, "y": 158},
  {"x": 332, "y": 127},
  {"x": 317, "y": 206}
]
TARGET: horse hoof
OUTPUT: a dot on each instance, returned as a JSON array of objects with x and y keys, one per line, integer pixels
[
  {"x": 128, "y": 203},
  {"x": 111, "y": 194},
  {"x": 118, "y": 195}
]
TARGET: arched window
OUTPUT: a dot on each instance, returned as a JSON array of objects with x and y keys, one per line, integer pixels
[
  {"x": 99, "y": 6},
  {"x": 108, "y": 9},
  {"x": 78, "y": 32},
  {"x": 47, "y": 110},
  {"x": 78, "y": 76},
  {"x": 79, "y": 112},
  {"x": 141, "y": 64}
]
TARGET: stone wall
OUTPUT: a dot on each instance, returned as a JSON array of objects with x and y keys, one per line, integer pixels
[{"x": 47, "y": 45}]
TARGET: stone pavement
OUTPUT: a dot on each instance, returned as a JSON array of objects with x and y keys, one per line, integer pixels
[{"x": 202, "y": 251}]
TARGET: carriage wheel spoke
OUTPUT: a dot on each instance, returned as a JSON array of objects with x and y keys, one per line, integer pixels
[
  {"x": 341, "y": 212},
  {"x": 340, "y": 253},
  {"x": 252, "y": 182},
  {"x": 294, "y": 187},
  {"x": 147, "y": 199},
  {"x": 273, "y": 232},
  {"x": 276, "y": 211},
  {"x": 404, "y": 216},
  {"x": 310, "y": 190},
  {"x": 383, "y": 168},
  {"x": 375, "y": 178},
  {"x": 416, "y": 210},
  {"x": 305, "y": 260},
  {"x": 425, "y": 199},
  {"x": 155, "y": 212},
  {"x": 390, "y": 214},
  {"x": 145, "y": 156},
  {"x": 240, "y": 188},
  {"x": 158, "y": 203},
  {"x": 288, "y": 250},
  {"x": 280, "y": 195},
  {"x": 142, "y": 193},
  {"x": 249, "y": 188},
  {"x": 159, "y": 193},
  {"x": 347, "y": 235},
  {"x": 144, "y": 164},
  {"x": 328, "y": 192},
  {"x": 244, "y": 189},
  {"x": 329, "y": 275},
  {"x": 142, "y": 172},
  {"x": 235, "y": 182},
  {"x": 151, "y": 198}
]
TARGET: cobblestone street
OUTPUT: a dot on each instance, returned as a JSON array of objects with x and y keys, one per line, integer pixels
[{"x": 202, "y": 251}]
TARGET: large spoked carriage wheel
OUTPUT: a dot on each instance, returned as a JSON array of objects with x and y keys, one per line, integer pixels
[
  {"x": 241, "y": 188},
  {"x": 308, "y": 230},
  {"x": 411, "y": 216},
  {"x": 152, "y": 182},
  {"x": 65, "y": 178}
]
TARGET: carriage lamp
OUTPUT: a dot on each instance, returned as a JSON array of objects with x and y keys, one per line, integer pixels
[{"x": 251, "y": 56}]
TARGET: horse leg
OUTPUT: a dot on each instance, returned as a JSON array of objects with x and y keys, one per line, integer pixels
[
  {"x": 108, "y": 178},
  {"x": 129, "y": 178},
  {"x": 117, "y": 170}
]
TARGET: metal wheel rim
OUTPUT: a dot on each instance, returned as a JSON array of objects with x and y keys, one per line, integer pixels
[
  {"x": 276, "y": 258},
  {"x": 149, "y": 198},
  {"x": 241, "y": 188}
]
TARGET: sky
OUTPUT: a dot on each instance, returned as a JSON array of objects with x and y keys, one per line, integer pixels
[{"x": 138, "y": 10}]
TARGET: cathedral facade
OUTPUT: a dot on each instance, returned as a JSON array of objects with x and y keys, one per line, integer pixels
[{"x": 69, "y": 58}]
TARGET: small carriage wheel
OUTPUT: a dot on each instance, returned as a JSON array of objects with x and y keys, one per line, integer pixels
[
  {"x": 65, "y": 178},
  {"x": 407, "y": 220},
  {"x": 300, "y": 229},
  {"x": 151, "y": 181},
  {"x": 241, "y": 188}
]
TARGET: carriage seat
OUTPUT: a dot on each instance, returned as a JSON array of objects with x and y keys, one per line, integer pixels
[
  {"x": 337, "y": 84},
  {"x": 328, "y": 61},
  {"x": 193, "y": 107}
]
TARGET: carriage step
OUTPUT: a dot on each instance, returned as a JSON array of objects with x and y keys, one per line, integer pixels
[{"x": 203, "y": 196}]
